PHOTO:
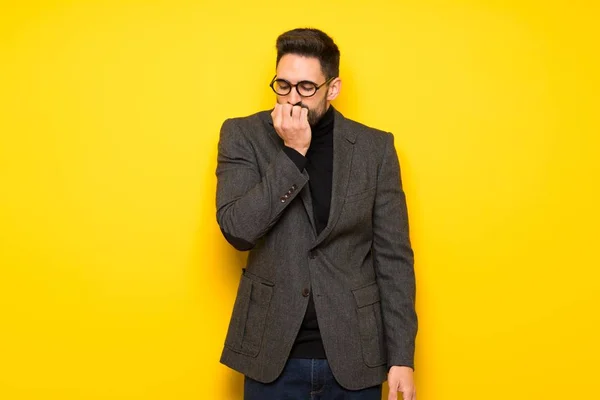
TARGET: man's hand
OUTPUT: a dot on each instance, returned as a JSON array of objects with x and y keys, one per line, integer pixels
[
  {"x": 400, "y": 379},
  {"x": 291, "y": 124}
]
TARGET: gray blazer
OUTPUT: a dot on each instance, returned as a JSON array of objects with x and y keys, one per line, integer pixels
[{"x": 359, "y": 268}]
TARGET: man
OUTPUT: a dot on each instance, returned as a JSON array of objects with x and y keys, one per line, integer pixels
[{"x": 325, "y": 306}]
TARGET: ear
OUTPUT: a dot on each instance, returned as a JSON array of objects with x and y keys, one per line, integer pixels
[{"x": 334, "y": 89}]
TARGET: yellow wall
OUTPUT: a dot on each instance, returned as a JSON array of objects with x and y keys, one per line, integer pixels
[{"x": 114, "y": 280}]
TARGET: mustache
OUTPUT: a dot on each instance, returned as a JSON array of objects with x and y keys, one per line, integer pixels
[{"x": 301, "y": 105}]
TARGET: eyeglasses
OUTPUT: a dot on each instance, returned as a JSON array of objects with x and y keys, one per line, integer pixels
[{"x": 304, "y": 88}]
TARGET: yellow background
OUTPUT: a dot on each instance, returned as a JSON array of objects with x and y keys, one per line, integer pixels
[{"x": 115, "y": 282}]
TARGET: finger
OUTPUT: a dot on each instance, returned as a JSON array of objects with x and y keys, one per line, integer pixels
[
  {"x": 286, "y": 112},
  {"x": 284, "y": 117},
  {"x": 409, "y": 394},
  {"x": 296, "y": 111},
  {"x": 304, "y": 115},
  {"x": 393, "y": 395},
  {"x": 275, "y": 114}
]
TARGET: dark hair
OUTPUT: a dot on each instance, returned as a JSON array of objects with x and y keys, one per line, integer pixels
[{"x": 310, "y": 42}]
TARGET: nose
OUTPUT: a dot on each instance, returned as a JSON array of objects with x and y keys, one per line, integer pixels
[{"x": 293, "y": 97}]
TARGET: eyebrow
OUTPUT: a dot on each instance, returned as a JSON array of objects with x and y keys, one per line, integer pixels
[{"x": 295, "y": 83}]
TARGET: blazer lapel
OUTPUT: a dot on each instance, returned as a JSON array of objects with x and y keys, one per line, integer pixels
[
  {"x": 306, "y": 197},
  {"x": 343, "y": 148}
]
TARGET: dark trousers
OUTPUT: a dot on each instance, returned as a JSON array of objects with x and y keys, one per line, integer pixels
[{"x": 306, "y": 379}]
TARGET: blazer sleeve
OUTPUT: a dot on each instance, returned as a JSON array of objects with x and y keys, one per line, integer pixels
[
  {"x": 394, "y": 261},
  {"x": 248, "y": 203}
]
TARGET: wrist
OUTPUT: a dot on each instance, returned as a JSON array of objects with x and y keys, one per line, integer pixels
[{"x": 299, "y": 148}]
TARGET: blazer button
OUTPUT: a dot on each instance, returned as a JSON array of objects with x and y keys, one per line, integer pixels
[
  {"x": 283, "y": 199},
  {"x": 305, "y": 292},
  {"x": 294, "y": 187}
]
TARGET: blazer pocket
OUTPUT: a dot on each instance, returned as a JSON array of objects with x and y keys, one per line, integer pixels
[
  {"x": 360, "y": 195},
  {"x": 249, "y": 316},
  {"x": 370, "y": 325}
]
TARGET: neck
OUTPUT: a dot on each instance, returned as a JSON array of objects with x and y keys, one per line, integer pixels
[
  {"x": 325, "y": 124},
  {"x": 326, "y": 118}
]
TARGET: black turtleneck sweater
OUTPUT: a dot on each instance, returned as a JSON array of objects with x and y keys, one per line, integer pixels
[{"x": 319, "y": 166}]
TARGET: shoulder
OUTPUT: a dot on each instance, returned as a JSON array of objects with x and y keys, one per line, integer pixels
[
  {"x": 365, "y": 135},
  {"x": 250, "y": 127},
  {"x": 365, "y": 130},
  {"x": 255, "y": 120}
]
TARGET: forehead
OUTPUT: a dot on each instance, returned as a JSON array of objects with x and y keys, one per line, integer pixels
[{"x": 295, "y": 68}]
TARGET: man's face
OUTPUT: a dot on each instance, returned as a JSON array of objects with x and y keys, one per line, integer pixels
[{"x": 294, "y": 68}]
